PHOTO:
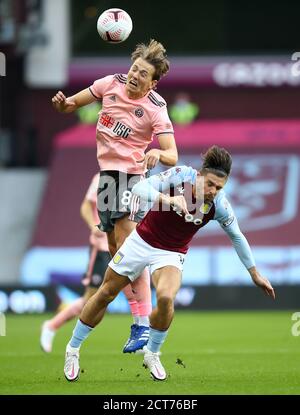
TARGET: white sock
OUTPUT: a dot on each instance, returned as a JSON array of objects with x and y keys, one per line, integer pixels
[
  {"x": 136, "y": 320},
  {"x": 143, "y": 321}
]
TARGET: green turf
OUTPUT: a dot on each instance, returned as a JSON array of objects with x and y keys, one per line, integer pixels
[{"x": 223, "y": 353}]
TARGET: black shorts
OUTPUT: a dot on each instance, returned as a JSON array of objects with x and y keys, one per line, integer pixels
[
  {"x": 98, "y": 262},
  {"x": 115, "y": 200}
]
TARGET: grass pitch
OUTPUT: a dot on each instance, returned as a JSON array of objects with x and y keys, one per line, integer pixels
[{"x": 205, "y": 353}]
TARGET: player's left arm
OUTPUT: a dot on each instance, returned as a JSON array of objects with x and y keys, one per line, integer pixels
[
  {"x": 157, "y": 188},
  {"x": 167, "y": 154},
  {"x": 228, "y": 221}
]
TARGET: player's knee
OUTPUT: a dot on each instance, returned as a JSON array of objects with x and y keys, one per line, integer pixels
[
  {"x": 107, "y": 294},
  {"x": 90, "y": 291},
  {"x": 165, "y": 302}
]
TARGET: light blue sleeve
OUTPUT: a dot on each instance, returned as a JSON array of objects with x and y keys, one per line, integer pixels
[
  {"x": 149, "y": 189},
  {"x": 225, "y": 216}
]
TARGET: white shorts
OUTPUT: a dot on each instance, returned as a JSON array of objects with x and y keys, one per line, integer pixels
[{"x": 135, "y": 255}]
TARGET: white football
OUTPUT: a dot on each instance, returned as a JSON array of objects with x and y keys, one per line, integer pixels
[{"x": 114, "y": 25}]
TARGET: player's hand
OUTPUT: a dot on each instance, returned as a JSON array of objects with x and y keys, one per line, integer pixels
[
  {"x": 61, "y": 103},
  {"x": 151, "y": 158},
  {"x": 179, "y": 204},
  {"x": 96, "y": 231},
  {"x": 264, "y": 284}
]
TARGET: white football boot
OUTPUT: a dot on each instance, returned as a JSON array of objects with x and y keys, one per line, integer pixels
[
  {"x": 46, "y": 339},
  {"x": 71, "y": 368},
  {"x": 152, "y": 362}
]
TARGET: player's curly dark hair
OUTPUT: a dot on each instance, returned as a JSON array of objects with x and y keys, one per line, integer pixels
[
  {"x": 216, "y": 160},
  {"x": 155, "y": 54}
]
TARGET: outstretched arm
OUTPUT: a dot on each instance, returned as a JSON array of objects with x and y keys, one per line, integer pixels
[
  {"x": 69, "y": 104},
  {"x": 229, "y": 224},
  {"x": 262, "y": 282},
  {"x": 244, "y": 252}
]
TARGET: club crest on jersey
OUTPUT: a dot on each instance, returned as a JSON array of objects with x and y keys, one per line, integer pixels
[
  {"x": 118, "y": 258},
  {"x": 205, "y": 208},
  {"x": 139, "y": 112}
]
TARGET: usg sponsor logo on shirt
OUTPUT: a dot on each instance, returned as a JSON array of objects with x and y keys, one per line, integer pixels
[{"x": 117, "y": 127}]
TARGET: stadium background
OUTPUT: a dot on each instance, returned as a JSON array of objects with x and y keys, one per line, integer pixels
[{"x": 229, "y": 61}]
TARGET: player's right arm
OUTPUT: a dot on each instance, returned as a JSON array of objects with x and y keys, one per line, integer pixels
[
  {"x": 69, "y": 104},
  {"x": 88, "y": 206},
  {"x": 86, "y": 212}
]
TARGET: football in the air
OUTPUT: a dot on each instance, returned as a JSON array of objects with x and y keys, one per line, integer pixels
[{"x": 114, "y": 25}]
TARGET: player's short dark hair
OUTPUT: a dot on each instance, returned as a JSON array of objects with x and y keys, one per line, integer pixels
[
  {"x": 155, "y": 54},
  {"x": 216, "y": 160}
]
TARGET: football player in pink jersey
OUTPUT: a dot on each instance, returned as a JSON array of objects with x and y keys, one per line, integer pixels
[
  {"x": 99, "y": 258},
  {"x": 132, "y": 113},
  {"x": 182, "y": 200}
]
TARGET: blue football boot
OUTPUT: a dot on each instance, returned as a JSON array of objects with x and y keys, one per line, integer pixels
[
  {"x": 139, "y": 340},
  {"x": 133, "y": 330}
]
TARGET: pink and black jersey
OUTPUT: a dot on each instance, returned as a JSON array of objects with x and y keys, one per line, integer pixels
[{"x": 126, "y": 126}]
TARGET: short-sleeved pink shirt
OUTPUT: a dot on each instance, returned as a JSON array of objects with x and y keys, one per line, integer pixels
[{"x": 126, "y": 126}]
